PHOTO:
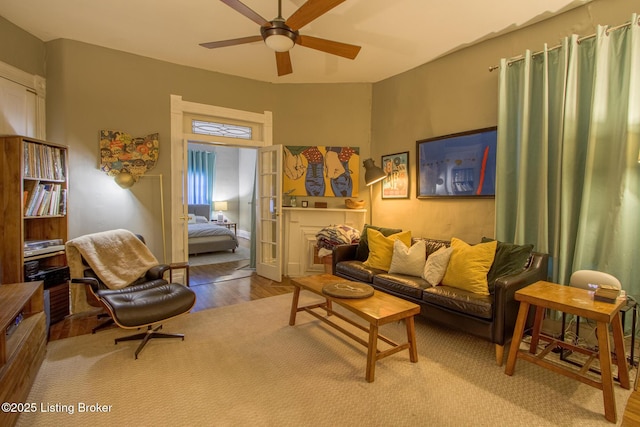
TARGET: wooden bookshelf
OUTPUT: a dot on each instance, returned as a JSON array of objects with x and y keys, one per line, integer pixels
[
  {"x": 22, "y": 343},
  {"x": 29, "y": 165}
]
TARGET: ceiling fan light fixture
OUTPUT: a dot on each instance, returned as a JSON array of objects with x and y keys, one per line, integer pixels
[
  {"x": 282, "y": 35},
  {"x": 278, "y": 36},
  {"x": 279, "y": 42}
]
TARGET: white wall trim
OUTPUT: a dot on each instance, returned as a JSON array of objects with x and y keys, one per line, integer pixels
[{"x": 180, "y": 137}]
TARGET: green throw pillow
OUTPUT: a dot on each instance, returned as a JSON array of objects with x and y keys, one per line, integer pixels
[
  {"x": 510, "y": 259},
  {"x": 362, "y": 251}
]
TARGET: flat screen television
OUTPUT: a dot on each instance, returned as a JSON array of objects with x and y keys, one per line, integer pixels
[{"x": 457, "y": 165}]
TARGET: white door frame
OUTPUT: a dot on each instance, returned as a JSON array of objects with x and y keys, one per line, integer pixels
[{"x": 181, "y": 135}]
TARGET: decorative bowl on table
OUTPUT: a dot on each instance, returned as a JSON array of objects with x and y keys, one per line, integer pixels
[{"x": 354, "y": 204}]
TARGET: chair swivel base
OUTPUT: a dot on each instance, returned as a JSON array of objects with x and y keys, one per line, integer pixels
[
  {"x": 104, "y": 324},
  {"x": 146, "y": 336}
]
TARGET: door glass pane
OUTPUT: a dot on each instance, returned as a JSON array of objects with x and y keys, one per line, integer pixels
[
  {"x": 269, "y": 164},
  {"x": 268, "y": 253}
]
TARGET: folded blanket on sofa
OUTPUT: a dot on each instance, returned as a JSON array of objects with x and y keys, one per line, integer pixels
[{"x": 335, "y": 235}]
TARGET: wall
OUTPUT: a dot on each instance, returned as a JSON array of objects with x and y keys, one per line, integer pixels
[
  {"x": 21, "y": 49},
  {"x": 457, "y": 93},
  {"x": 344, "y": 122},
  {"x": 91, "y": 88},
  {"x": 131, "y": 93}
]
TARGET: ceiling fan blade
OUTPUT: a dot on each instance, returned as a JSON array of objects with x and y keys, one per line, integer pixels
[
  {"x": 310, "y": 11},
  {"x": 232, "y": 42},
  {"x": 329, "y": 46},
  {"x": 242, "y": 8},
  {"x": 283, "y": 62}
]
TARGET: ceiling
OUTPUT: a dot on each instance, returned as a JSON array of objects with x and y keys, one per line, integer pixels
[{"x": 395, "y": 35}]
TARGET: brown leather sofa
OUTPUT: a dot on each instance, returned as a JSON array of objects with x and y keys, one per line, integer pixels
[{"x": 489, "y": 317}]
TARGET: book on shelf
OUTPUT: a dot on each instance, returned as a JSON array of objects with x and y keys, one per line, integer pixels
[
  {"x": 43, "y": 161},
  {"x": 54, "y": 204},
  {"x": 43, "y": 208},
  {"x": 37, "y": 200},
  {"x": 45, "y": 199},
  {"x": 29, "y": 189},
  {"x": 62, "y": 208}
]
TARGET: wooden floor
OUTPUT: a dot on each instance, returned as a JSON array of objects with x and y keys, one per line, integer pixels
[
  {"x": 215, "y": 285},
  {"x": 632, "y": 411},
  {"x": 226, "y": 284}
]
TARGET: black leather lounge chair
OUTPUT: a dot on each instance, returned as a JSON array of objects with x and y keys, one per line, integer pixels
[{"x": 147, "y": 302}]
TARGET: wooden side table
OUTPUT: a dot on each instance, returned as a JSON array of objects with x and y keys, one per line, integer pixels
[{"x": 578, "y": 302}]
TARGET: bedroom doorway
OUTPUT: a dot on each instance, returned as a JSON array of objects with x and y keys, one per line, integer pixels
[
  {"x": 267, "y": 235},
  {"x": 220, "y": 177}
]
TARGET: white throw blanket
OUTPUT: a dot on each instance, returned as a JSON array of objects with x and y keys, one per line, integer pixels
[{"x": 117, "y": 257}]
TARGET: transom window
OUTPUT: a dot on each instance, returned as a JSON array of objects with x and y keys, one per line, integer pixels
[{"x": 221, "y": 129}]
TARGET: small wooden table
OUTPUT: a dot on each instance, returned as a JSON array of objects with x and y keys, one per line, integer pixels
[
  {"x": 377, "y": 310},
  {"x": 579, "y": 302}
]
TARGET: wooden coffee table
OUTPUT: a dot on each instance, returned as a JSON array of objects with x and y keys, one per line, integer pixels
[{"x": 377, "y": 310}]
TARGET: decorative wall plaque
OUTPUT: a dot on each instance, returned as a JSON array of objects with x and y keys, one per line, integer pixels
[{"x": 120, "y": 152}]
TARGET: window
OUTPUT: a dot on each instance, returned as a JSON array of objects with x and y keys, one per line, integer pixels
[
  {"x": 221, "y": 129},
  {"x": 201, "y": 177}
]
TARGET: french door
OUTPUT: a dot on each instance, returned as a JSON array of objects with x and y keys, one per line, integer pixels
[{"x": 269, "y": 213}]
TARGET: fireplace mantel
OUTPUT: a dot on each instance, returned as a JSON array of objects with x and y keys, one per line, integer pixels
[{"x": 300, "y": 228}]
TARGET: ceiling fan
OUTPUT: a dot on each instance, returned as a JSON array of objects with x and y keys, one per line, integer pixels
[{"x": 281, "y": 35}]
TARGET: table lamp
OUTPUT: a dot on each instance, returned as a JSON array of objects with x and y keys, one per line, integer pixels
[{"x": 220, "y": 206}]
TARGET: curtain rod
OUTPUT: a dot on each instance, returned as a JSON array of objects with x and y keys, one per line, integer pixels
[{"x": 580, "y": 39}]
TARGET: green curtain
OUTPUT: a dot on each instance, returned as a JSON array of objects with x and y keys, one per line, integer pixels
[
  {"x": 201, "y": 176},
  {"x": 568, "y": 177}
]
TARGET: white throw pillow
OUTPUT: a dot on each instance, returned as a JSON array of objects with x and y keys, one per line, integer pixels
[
  {"x": 192, "y": 218},
  {"x": 436, "y": 266},
  {"x": 409, "y": 261}
]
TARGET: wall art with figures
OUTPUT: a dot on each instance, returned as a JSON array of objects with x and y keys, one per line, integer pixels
[{"x": 321, "y": 171}]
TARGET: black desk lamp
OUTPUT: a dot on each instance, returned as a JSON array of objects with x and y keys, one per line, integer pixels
[{"x": 372, "y": 175}]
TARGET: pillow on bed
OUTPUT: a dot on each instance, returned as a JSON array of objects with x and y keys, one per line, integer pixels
[
  {"x": 201, "y": 219},
  {"x": 192, "y": 218}
]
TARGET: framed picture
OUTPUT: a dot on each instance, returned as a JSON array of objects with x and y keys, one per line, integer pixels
[
  {"x": 396, "y": 184},
  {"x": 321, "y": 171},
  {"x": 457, "y": 165}
]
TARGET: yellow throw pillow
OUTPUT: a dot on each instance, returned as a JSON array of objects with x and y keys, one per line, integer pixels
[
  {"x": 381, "y": 248},
  {"x": 469, "y": 265}
]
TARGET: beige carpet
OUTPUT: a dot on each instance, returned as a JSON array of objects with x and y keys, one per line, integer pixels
[{"x": 243, "y": 365}]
